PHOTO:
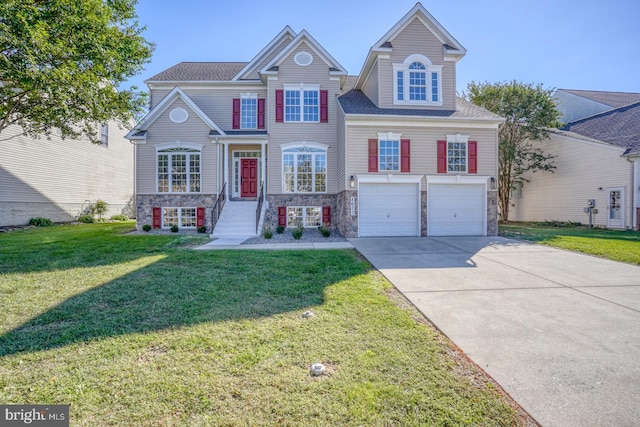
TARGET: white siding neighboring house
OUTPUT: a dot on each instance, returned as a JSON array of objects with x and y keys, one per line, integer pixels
[
  {"x": 58, "y": 179},
  {"x": 598, "y": 158}
]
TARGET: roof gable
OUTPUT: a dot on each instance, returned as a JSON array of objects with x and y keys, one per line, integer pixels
[
  {"x": 304, "y": 37},
  {"x": 270, "y": 50},
  {"x": 139, "y": 132},
  {"x": 453, "y": 50},
  {"x": 612, "y": 99}
]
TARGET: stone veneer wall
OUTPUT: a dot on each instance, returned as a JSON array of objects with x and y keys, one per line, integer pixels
[
  {"x": 146, "y": 203},
  {"x": 276, "y": 200},
  {"x": 492, "y": 213},
  {"x": 347, "y": 224}
]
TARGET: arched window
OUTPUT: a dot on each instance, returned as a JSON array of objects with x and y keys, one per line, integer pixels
[
  {"x": 417, "y": 81},
  {"x": 178, "y": 169},
  {"x": 304, "y": 168}
]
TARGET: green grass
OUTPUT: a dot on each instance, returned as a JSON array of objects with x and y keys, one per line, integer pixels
[
  {"x": 138, "y": 330},
  {"x": 623, "y": 246}
]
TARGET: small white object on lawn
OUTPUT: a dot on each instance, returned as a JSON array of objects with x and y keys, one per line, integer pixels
[
  {"x": 308, "y": 314},
  {"x": 318, "y": 369}
]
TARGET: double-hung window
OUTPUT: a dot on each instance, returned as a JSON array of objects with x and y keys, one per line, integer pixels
[
  {"x": 457, "y": 154},
  {"x": 417, "y": 82},
  {"x": 302, "y": 103},
  {"x": 249, "y": 112},
  {"x": 389, "y": 155},
  {"x": 178, "y": 170},
  {"x": 304, "y": 168}
]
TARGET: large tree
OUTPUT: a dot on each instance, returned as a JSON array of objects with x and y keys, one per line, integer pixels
[
  {"x": 61, "y": 62},
  {"x": 529, "y": 112}
]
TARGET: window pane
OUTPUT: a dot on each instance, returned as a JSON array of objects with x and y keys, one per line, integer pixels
[
  {"x": 434, "y": 87},
  {"x": 292, "y": 105},
  {"x": 194, "y": 173},
  {"x": 169, "y": 217},
  {"x": 311, "y": 107},
  {"x": 457, "y": 156},
  {"x": 163, "y": 173},
  {"x": 389, "y": 155},
  {"x": 188, "y": 217},
  {"x": 288, "y": 173},
  {"x": 304, "y": 173},
  {"x": 400, "y": 77},
  {"x": 313, "y": 217},
  {"x": 294, "y": 217},
  {"x": 321, "y": 173},
  {"x": 248, "y": 113},
  {"x": 178, "y": 173}
]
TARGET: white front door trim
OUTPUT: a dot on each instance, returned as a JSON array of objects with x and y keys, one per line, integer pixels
[{"x": 616, "y": 219}]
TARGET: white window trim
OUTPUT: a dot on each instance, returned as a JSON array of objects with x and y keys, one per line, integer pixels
[
  {"x": 249, "y": 95},
  {"x": 179, "y": 208},
  {"x": 304, "y": 215},
  {"x": 390, "y": 136},
  {"x": 460, "y": 139},
  {"x": 404, "y": 68},
  {"x": 305, "y": 144},
  {"x": 178, "y": 144},
  {"x": 302, "y": 87}
]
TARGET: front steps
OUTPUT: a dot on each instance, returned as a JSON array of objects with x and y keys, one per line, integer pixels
[{"x": 236, "y": 224}]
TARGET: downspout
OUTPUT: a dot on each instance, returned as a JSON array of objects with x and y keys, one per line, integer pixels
[{"x": 634, "y": 188}]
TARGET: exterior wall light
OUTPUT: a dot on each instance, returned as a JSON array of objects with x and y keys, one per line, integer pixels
[
  {"x": 492, "y": 183},
  {"x": 352, "y": 181}
]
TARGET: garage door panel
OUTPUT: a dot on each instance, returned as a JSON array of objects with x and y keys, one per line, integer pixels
[
  {"x": 456, "y": 209},
  {"x": 388, "y": 209}
]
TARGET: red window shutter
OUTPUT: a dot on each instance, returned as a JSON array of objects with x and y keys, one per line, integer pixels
[
  {"x": 260, "y": 113},
  {"x": 157, "y": 218},
  {"x": 236, "y": 113},
  {"x": 472, "y": 159},
  {"x": 373, "y": 155},
  {"x": 282, "y": 216},
  {"x": 326, "y": 215},
  {"x": 279, "y": 105},
  {"x": 405, "y": 155},
  {"x": 442, "y": 156},
  {"x": 200, "y": 217},
  {"x": 324, "y": 106}
]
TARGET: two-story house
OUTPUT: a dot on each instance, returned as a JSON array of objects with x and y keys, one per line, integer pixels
[{"x": 390, "y": 152}]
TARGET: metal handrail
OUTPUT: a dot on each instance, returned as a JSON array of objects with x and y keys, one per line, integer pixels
[
  {"x": 259, "y": 209},
  {"x": 217, "y": 207}
]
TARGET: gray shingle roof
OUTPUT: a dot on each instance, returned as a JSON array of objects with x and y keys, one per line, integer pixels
[
  {"x": 356, "y": 102},
  {"x": 620, "y": 127},
  {"x": 199, "y": 71},
  {"x": 612, "y": 99}
]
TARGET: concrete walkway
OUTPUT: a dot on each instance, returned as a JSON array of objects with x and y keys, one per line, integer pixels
[
  {"x": 230, "y": 243},
  {"x": 560, "y": 331}
]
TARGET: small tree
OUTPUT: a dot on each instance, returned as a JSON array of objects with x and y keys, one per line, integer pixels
[
  {"x": 529, "y": 112},
  {"x": 61, "y": 62}
]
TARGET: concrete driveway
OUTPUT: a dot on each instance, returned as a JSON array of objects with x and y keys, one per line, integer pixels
[{"x": 560, "y": 331}]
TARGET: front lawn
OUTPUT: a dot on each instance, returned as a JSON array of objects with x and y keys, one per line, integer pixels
[
  {"x": 623, "y": 246},
  {"x": 138, "y": 330}
]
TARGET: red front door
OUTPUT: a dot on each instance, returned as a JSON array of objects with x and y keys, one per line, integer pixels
[{"x": 249, "y": 178}]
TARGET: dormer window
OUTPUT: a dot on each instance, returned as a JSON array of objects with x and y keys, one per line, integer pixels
[{"x": 417, "y": 82}]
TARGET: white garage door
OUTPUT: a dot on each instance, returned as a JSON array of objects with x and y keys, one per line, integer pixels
[
  {"x": 389, "y": 209},
  {"x": 456, "y": 210}
]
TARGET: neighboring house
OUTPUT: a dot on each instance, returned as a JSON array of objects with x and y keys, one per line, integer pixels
[
  {"x": 391, "y": 152},
  {"x": 59, "y": 179},
  {"x": 579, "y": 104},
  {"x": 598, "y": 160}
]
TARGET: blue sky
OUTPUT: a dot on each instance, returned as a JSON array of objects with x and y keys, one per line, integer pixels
[{"x": 589, "y": 44}]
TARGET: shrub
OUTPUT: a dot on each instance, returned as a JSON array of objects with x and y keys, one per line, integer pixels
[
  {"x": 297, "y": 232},
  {"x": 202, "y": 229},
  {"x": 280, "y": 229},
  {"x": 100, "y": 207},
  {"x": 325, "y": 231},
  {"x": 146, "y": 227},
  {"x": 267, "y": 232},
  {"x": 119, "y": 218},
  {"x": 174, "y": 229},
  {"x": 41, "y": 222},
  {"x": 87, "y": 219}
]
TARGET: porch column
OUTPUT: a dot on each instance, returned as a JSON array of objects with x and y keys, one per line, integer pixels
[
  {"x": 263, "y": 165},
  {"x": 225, "y": 175}
]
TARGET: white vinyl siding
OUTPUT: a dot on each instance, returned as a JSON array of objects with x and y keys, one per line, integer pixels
[
  {"x": 584, "y": 170},
  {"x": 56, "y": 178}
]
